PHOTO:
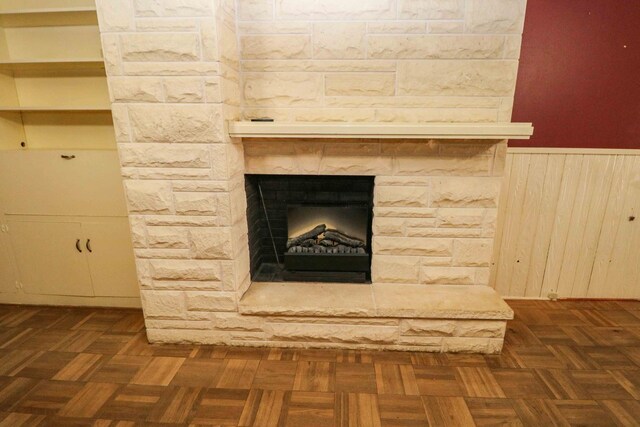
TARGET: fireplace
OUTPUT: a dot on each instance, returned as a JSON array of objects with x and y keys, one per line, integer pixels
[{"x": 310, "y": 228}]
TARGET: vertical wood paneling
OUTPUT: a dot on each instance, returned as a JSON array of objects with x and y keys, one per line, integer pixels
[{"x": 564, "y": 226}]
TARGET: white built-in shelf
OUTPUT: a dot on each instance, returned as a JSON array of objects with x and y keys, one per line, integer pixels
[
  {"x": 486, "y": 131},
  {"x": 53, "y": 64},
  {"x": 48, "y": 16},
  {"x": 55, "y": 109},
  {"x": 48, "y": 10}
]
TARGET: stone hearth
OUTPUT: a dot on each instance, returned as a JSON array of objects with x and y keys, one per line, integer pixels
[{"x": 177, "y": 75}]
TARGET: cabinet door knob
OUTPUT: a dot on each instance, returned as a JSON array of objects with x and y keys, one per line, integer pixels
[
  {"x": 78, "y": 246},
  {"x": 88, "y": 245},
  {"x": 68, "y": 156}
]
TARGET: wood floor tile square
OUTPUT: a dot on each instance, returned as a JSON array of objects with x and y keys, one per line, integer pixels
[
  {"x": 100, "y": 320},
  {"x": 437, "y": 381},
  {"x": 584, "y": 413},
  {"x": 600, "y": 385},
  {"x": 625, "y": 412},
  {"x": 609, "y": 357},
  {"x": 12, "y": 390},
  {"x": 246, "y": 353},
  {"x": 537, "y": 357},
  {"x": 478, "y": 382},
  {"x": 177, "y": 405},
  {"x": 110, "y": 342},
  {"x": 612, "y": 337},
  {"x": 44, "y": 339},
  {"x": 551, "y": 334},
  {"x": 402, "y": 411},
  {"x": 48, "y": 397},
  {"x": 561, "y": 385},
  {"x": 621, "y": 317},
  {"x": 88, "y": 401},
  {"x": 593, "y": 318},
  {"x": 275, "y": 375},
  {"x": 120, "y": 369},
  {"x": 572, "y": 357},
  {"x": 520, "y": 383},
  {"x": 629, "y": 379},
  {"x": 221, "y": 407},
  {"x": 159, "y": 371},
  {"x": 493, "y": 412},
  {"x": 80, "y": 368},
  {"x": 15, "y": 419},
  {"x": 46, "y": 365},
  {"x": 198, "y": 373},
  {"x": 539, "y": 412},
  {"x": 309, "y": 408},
  {"x": 578, "y": 335},
  {"x": 357, "y": 410},
  {"x": 563, "y": 317},
  {"x": 355, "y": 378},
  {"x": 632, "y": 353},
  {"x": 132, "y": 402},
  {"x": 238, "y": 373},
  {"x": 77, "y": 341},
  {"x": 15, "y": 315},
  {"x": 263, "y": 408},
  {"x": 519, "y": 335},
  {"x": 13, "y": 361},
  {"x": 464, "y": 359},
  {"x": 130, "y": 322},
  {"x": 396, "y": 379},
  {"x": 314, "y": 355},
  {"x": 505, "y": 360},
  {"x": 315, "y": 376},
  {"x": 447, "y": 411}
]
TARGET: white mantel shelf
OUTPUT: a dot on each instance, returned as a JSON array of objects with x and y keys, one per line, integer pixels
[{"x": 486, "y": 131}]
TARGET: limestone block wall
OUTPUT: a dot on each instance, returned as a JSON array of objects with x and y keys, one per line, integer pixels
[
  {"x": 173, "y": 74},
  {"x": 380, "y": 60},
  {"x": 435, "y": 202}
]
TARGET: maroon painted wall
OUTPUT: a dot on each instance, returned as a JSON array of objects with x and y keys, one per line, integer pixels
[{"x": 579, "y": 76}]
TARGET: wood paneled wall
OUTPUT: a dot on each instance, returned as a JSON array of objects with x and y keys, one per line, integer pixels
[{"x": 566, "y": 227}]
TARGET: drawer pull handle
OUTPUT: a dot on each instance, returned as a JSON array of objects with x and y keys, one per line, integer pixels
[
  {"x": 89, "y": 246},
  {"x": 78, "y": 246},
  {"x": 68, "y": 157}
]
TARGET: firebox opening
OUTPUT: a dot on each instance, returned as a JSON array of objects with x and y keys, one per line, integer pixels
[{"x": 310, "y": 228}]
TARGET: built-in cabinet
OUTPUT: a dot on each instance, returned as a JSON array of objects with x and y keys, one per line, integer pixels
[
  {"x": 63, "y": 257},
  {"x": 64, "y": 232}
]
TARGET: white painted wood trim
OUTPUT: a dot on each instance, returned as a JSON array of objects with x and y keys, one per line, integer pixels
[
  {"x": 580, "y": 151},
  {"x": 490, "y": 131}
]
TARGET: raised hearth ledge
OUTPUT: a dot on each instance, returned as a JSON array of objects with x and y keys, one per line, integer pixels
[
  {"x": 340, "y": 130},
  {"x": 379, "y": 300}
]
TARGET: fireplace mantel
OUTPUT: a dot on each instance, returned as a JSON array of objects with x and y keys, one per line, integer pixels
[{"x": 340, "y": 130}]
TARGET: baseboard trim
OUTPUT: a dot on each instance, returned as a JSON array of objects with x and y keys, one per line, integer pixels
[{"x": 577, "y": 151}]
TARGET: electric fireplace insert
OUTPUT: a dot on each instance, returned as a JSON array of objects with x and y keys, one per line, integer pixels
[{"x": 310, "y": 228}]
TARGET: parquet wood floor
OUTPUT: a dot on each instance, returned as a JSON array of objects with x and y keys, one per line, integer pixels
[{"x": 565, "y": 363}]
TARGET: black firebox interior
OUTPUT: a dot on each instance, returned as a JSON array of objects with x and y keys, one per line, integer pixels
[{"x": 310, "y": 228}]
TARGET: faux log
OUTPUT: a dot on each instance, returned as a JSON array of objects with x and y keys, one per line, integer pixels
[
  {"x": 343, "y": 239},
  {"x": 311, "y": 234}
]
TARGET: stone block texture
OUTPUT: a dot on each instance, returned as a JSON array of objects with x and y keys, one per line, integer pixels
[
  {"x": 179, "y": 69},
  {"x": 380, "y": 60}
]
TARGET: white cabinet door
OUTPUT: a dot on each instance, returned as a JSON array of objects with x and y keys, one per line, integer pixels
[
  {"x": 49, "y": 263},
  {"x": 44, "y": 183},
  {"x": 111, "y": 262}
]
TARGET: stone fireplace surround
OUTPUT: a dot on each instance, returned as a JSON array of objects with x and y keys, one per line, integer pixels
[{"x": 177, "y": 75}]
